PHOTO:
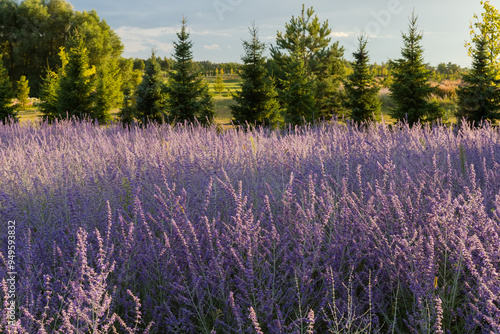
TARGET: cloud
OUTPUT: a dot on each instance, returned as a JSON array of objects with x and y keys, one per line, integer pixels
[
  {"x": 137, "y": 39},
  {"x": 210, "y": 32},
  {"x": 211, "y": 47},
  {"x": 126, "y": 31},
  {"x": 340, "y": 34},
  {"x": 383, "y": 36}
]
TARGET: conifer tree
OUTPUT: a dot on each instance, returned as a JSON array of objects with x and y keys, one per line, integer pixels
[
  {"x": 7, "y": 111},
  {"x": 23, "y": 91},
  {"x": 48, "y": 96},
  {"x": 107, "y": 92},
  {"x": 126, "y": 113},
  {"x": 298, "y": 100},
  {"x": 361, "y": 89},
  {"x": 219, "y": 84},
  {"x": 479, "y": 96},
  {"x": 322, "y": 64},
  {"x": 411, "y": 88},
  {"x": 257, "y": 102},
  {"x": 150, "y": 94},
  {"x": 189, "y": 96},
  {"x": 76, "y": 84}
]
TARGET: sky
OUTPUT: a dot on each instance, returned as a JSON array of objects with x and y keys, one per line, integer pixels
[{"x": 218, "y": 27}]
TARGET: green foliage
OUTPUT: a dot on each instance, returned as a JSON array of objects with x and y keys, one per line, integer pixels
[
  {"x": 189, "y": 97},
  {"x": 219, "y": 84},
  {"x": 150, "y": 94},
  {"x": 256, "y": 102},
  {"x": 298, "y": 93},
  {"x": 127, "y": 111},
  {"x": 411, "y": 88},
  {"x": 139, "y": 64},
  {"x": 7, "y": 111},
  {"x": 33, "y": 31},
  {"x": 479, "y": 97},
  {"x": 23, "y": 91},
  {"x": 360, "y": 87},
  {"x": 131, "y": 80},
  {"x": 108, "y": 90},
  {"x": 449, "y": 71},
  {"x": 306, "y": 48},
  {"x": 77, "y": 85},
  {"x": 488, "y": 29},
  {"x": 48, "y": 96}
]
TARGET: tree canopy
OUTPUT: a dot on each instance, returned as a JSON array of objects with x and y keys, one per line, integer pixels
[
  {"x": 361, "y": 89},
  {"x": 7, "y": 111},
  {"x": 411, "y": 88},
  {"x": 189, "y": 97},
  {"x": 257, "y": 102},
  {"x": 309, "y": 67},
  {"x": 33, "y": 31},
  {"x": 479, "y": 95},
  {"x": 150, "y": 94},
  {"x": 488, "y": 29}
]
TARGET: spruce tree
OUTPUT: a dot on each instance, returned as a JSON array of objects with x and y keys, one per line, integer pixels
[
  {"x": 298, "y": 100},
  {"x": 361, "y": 89},
  {"x": 219, "y": 84},
  {"x": 23, "y": 91},
  {"x": 7, "y": 111},
  {"x": 76, "y": 84},
  {"x": 479, "y": 96},
  {"x": 107, "y": 93},
  {"x": 189, "y": 96},
  {"x": 126, "y": 112},
  {"x": 256, "y": 102},
  {"x": 411, "y": 89},
  {"x": 150, "y": 94},
  {"x": 48, "y": 96}
]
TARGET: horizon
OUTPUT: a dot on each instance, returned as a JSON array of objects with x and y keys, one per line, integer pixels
[{"x": 218, "y": 27}]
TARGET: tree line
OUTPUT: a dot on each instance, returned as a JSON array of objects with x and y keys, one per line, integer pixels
[
  {"x": 206, "y": 67},
  {"x": 72, "y": 61},
  {"x": 37, "y": 40}
]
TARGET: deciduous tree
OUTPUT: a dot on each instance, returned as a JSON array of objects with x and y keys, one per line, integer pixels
[
  {"x": 34, "y": 30},
  {"x": 488, "y": 29},
  {"x": 104, "y": 50}
]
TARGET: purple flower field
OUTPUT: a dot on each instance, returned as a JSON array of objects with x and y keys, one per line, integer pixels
[{"x": 322, "y": 229}]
